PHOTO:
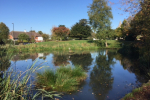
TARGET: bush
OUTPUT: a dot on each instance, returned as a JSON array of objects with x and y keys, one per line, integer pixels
[
  {"x": 100, "y": 43},
  {"x": 130, "y": 37},
  {"x": 8, "y": 41}
]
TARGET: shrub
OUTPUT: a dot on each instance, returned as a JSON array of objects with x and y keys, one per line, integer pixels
[{"x": 100, "y": 43}]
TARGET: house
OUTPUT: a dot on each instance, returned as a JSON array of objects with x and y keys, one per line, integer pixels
[{"x": 14, "y": 35}]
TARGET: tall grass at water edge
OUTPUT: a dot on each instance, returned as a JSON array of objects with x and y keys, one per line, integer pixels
[
  {"x": 16, "y": 86},
  {"x": 64, "y": 79}
]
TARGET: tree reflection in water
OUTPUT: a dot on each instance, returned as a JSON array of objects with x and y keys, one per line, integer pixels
[
  {"x": 101, "y": 79},
  {"x": 83, "y": 59},
  {"x": 59, "y": 60}
]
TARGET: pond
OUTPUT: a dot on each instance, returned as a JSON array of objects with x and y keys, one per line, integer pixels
[{"x": 110, "y": 76}]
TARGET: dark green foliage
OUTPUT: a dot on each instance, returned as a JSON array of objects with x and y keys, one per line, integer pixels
[
  {"x": 45, "y": 37},
  {"x": 23, "y": 37},
  {"x": 65, "y": 79},
  {"x": 61, "y": 26},
  {"x": 81, "y": 30},
  {"x": 4, "y": 31},
  {"x": 32, "y": 31},
  {"x": 130, "y": 37},
  {"x": 40, "y": 32},
  {"x": 4, "y": 59},
  {"x": 100, "y": 43}
]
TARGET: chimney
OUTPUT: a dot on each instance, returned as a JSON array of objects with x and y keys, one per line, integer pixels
[{"x": 25, "y": 31}]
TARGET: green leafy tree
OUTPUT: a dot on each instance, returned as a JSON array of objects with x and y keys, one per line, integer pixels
[
  {"x": 23, "y": 37},
  {"x": 40, "y": 32},
  {"x": 45, "y": 37},
  {"x": 4, "y": 31},
  {"x": 81, "y": 30},
  {"x": 99, "y": 15},
  {"x": 118, "y": 32}
]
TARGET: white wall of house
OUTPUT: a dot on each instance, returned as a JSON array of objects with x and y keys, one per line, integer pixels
[{"x": 40, "y": 38}]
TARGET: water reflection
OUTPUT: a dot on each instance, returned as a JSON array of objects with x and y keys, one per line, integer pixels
[
  {"x": 101, "y": 79},
  {"x": 26, "y": 56},
  {"x": 59, "y": 60},
  {"x": 4, "y": 63},
  {"x": 109, "y": 72},
  {"x": 83, "y": 59}
]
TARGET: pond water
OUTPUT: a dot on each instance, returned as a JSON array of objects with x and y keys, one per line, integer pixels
[{"x": 110, "y": 75}]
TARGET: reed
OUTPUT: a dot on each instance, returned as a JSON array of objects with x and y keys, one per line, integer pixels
[{"x": 16, "y": 85}]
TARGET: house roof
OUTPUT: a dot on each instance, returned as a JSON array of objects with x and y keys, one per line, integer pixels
[{"x": 15, "y": 34}]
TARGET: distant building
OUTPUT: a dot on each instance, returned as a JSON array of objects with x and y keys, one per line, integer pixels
[
  {"x": 119, "y": 26},
  {"x": 14, "y": 35}
]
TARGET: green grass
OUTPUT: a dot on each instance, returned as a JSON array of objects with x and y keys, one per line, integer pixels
[
  {"x": 64, "y": 79},
  {"x": 15, "y": 85},
  {"x": 138, "y": 91},
  {"x": 69, "y": 46},
  {"x": 57, "y": 45}
]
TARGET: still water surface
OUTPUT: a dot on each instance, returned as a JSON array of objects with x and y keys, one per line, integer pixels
[{"x": 110, "y": 75}]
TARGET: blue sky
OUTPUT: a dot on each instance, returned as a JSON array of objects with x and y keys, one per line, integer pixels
[{"x": 42, "y": 15}]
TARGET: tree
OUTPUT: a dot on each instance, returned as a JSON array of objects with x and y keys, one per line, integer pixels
[
  {"x": 118, "y": 32},
  {"x": 40, "y": 32},
  {"x": 81, "y": 30},
  {"x": 62, "y": 26},
  {"x": 45, "y": 37},
  {"x": 4, "y": 31},
  {"x": 60, "y": 32},
  {"x": 23, "y": 37},
  {"x": 99, "y": 16},
  {"x": 32, "y": 30},
  {"x": 93, "y": 35}
]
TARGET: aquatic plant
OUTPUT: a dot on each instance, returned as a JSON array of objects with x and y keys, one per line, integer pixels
[
  {"x": 64, "y": 79},
  {"x": 16, "y": 85}
]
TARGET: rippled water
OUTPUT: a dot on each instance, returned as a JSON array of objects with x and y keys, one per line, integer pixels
[{"x": 110, "y": 75}]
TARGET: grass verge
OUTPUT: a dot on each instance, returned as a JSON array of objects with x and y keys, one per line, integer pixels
[
  {"x": 66, "y": 45},
  {"x": 141, "y": 93}
]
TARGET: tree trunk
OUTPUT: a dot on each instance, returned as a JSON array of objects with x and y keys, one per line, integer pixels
[{"x": 106, "y": 44}]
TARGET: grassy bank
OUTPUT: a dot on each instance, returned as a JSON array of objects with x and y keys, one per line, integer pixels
[
  {"x": 141, "y": 93},
  {"x": 66, "y": 45}
]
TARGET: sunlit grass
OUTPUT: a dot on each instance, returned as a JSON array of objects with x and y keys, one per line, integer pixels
[
  {"x": 67, "y": 45},
  {"x": 64, "y": 79}
]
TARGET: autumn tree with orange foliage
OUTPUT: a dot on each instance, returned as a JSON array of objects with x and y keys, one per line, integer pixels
[{"x": 60, "y": 32}]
